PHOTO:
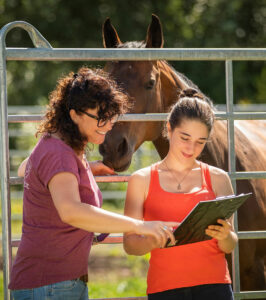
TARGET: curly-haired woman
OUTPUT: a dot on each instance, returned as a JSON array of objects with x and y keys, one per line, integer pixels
[{"x": 61, "y": 204}]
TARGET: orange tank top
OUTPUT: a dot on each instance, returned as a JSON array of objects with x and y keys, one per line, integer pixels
[{"x": 186, "y": 265}]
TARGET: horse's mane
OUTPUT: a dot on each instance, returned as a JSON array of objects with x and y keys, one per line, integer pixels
[
  {"x": 185, "y": 79},
  {"x": 166, "y": 66}
]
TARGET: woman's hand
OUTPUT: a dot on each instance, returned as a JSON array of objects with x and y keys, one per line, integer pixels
[
  {"x": 219, "y": 232},
  {"x": 99, "y": 168},
  {"x": 158, "y": 232}
]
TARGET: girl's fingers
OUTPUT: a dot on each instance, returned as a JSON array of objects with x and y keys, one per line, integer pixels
[
  {"x": 225, "y": 223},
  {"x": 215, "y": 227},
  {"x": 219, "y": 235},
  {"x": 213, "y": 234}
]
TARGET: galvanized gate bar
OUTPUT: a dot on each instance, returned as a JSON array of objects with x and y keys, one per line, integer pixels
[
  {"x": 108, "y": 240},
  {"x": 251, "y": 235},
  {"x": 109, "y": 178},
  {"x": 248, "y": 175},
  {"x": 37, "y": 39},
  {"x": 101, "y": 54},
  {"x": 251, "y": 295},
  {"x": 4, "y": 165},
  {"x": 149, "y": 117},
  {"x": 125, "y": 178},
  {"x": 231, "y": 164}
]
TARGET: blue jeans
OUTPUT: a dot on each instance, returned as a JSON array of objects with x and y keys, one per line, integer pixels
[
  {"x": 64, "y": 290},
  {"x": 199, "y": 292}
]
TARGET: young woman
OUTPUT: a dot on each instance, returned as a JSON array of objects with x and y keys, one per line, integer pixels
[
  {"x": 168, "y": 190},
  {"x": 61, "y": 203}
]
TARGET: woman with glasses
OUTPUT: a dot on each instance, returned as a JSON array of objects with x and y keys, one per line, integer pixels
[{"x": 61, "y": 202}]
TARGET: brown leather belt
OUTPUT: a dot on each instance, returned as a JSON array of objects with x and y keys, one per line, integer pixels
[{"x": 84, "y": 278}]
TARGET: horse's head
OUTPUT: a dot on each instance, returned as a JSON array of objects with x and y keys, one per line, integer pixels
[
  {"x": 151, "y": 86},
  {"x": 141, "y": 81}
]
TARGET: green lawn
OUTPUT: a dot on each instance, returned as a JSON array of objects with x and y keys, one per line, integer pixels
[{"x": 129, "y": 287}]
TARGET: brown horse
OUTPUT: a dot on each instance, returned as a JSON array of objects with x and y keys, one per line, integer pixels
[{"x": 154, "y": 86}]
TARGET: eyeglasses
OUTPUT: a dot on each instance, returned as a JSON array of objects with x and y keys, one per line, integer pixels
[{"x": 101, "y": 122}]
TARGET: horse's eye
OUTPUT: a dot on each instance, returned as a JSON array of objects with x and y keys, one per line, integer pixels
[{"x": 150, "y": 84}]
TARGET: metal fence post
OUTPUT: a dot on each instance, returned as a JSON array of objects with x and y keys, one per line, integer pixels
[
  {"x": 4, "y": 165},
  {"x": 232, "y": 163}
]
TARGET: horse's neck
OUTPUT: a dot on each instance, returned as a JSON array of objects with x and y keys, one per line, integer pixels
[{"x": 171, "y": 84}]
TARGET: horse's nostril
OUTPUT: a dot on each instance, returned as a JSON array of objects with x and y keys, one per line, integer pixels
[{"x": 122, "y": 147}]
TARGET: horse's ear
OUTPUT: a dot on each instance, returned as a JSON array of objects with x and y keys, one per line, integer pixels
[
  {"x": 110, "y": 36},
  {"x": 154, "y": 38}
]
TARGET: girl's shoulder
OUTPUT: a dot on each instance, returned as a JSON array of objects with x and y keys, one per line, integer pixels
[
  {"x": 217, "y": 172},
  {"x": 221, "y": 182},
  {"x": 145, "y": 173},
  {"x": 142, "y": 174}
]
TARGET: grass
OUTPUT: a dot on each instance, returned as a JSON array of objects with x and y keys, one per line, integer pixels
[
  {"x": 133, "y": 286},
  {"x": 112, "y": 273}
]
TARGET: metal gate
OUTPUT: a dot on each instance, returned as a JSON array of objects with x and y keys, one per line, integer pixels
[{"x": 44, "y": 52}]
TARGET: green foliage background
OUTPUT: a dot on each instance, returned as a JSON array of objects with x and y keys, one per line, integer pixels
[{"x": 186, "y": 23}]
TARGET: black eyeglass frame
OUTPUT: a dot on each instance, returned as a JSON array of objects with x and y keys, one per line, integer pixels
[{"x": 101, "y": 120}]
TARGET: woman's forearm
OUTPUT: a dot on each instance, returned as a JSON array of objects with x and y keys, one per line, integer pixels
[
  {"x": 94, "y": 219},
  {"x": 64, "y": 191}
]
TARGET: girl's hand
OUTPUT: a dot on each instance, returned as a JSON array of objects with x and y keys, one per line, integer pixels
[
  {"x": 99, "y": 168},
  {"x": 218, "y": 232}
]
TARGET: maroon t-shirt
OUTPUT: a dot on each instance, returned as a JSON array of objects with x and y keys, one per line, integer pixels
[{"x": 51, "y": 251}]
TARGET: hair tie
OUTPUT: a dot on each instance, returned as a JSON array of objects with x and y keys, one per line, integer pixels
[{"x": 190, "y": 93}]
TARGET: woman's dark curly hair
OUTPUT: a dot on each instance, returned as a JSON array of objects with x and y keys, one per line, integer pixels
[{"x": 86, "y": 89}]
